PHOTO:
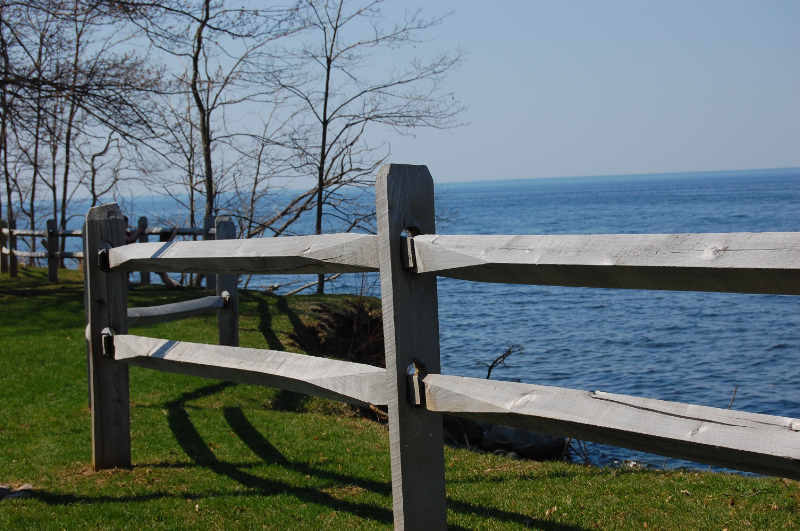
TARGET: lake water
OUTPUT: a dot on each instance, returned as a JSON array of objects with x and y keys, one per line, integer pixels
[{"x": 681, "y": 346}]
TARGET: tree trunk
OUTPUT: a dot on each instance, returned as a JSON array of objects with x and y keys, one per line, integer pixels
[
  {"x": 323, "y": 153},
  {"x": 36, "y": 143},
  {"x": 204, "y": 114},
  {"x": 4, "y": 108},
  {"x": 65, "y": 181}
]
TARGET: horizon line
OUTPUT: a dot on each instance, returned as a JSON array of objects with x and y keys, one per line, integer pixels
[{"x": 624, "y": 175}]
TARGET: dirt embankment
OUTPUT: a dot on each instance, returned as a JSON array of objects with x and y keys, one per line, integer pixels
[{"x": 351, "y": 332}]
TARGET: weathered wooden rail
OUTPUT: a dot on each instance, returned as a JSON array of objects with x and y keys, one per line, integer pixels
[
  {"x": 409, "y": 257},
  {"x": 9, "y": 254}
]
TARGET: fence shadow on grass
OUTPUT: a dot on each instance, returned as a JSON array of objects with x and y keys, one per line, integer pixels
[
  {"x": 192, "y": 443},
  {"x": 262, "y": 448},
  {"x": 265, "y": 325},
  {"x": 196, "y": 448},
  {"x": 266, "y": 451}
]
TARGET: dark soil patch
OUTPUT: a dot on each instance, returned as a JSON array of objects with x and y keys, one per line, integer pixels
[{"x": 351, "y": 332}]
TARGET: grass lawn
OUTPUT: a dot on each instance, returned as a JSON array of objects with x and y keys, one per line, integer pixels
[{"x": 213, "y": 455}]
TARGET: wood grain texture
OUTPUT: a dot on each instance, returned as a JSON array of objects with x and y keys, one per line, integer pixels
[
  {"x": 228, "y": 285},
  {"x": 404, "y": 199},
  {"x": 106, "y": 306},
  {"x": 736, "y": 263},
  {"x": 733, "y": 439},
  {"x": 329, "y": 253},
  {"x": 165, "y": 313},
  {"x": 338, "y": 380}
]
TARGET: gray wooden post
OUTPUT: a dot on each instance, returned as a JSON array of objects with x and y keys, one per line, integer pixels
[
  {"x": 52, "y": 251},
  {"x": 106, "y": 310},
  {"x": 208, "y": 224},
  {"x": 13, "y": 264},
  {"x": 404, "y": 201},
  {"x": 144, "y": 276},
  {"x": 3, "y": 243},
  {"x": 228, "y": 316}
]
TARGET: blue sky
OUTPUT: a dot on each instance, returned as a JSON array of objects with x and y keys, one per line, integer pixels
[{"x": 578, "y": 88}]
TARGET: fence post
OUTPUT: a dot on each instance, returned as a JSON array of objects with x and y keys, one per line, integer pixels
[
  {"x": 52, "y": 251},
  {"x": 3, "y": 243},
  {"x": 106, "y": 312},
  {"x": 227, "y": 317},
  {"x": 208, "y": 224},
  {"x": 404, "y": 202},
  {"x": 144, "y": 276},
  {"x": 13, "y": 264}
]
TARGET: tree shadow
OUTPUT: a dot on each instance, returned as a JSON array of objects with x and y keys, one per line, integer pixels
[
  {"x": 265, "y": 325},
  {"x": 196, "y": 449},
  {"x": 284, "y": 400},
  {"x": 265, "y": 320},
  {"x": 294, "y": 319},
  {"x": 261, "y": 447}
]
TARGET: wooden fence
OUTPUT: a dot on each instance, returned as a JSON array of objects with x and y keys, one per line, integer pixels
[
  {"x": 9, "y": 254},
  {"x": 409, "y": 257}
]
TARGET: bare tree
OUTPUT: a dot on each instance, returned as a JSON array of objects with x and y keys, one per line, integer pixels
[
  {"x": 177, "y": 168},
  {"x": 102, "y": 167},
  {"x": 65, "y": 86},
  {"x": 224, "y": 51},
  {"x": 340, "y": 99},
  {"x": 75, "y": 97}
]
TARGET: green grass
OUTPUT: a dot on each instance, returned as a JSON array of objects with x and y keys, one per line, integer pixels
[{"x": 211, "y": 455}]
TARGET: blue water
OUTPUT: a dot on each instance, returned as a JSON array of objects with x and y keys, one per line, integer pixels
[{"x": 682, "y": 346}]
